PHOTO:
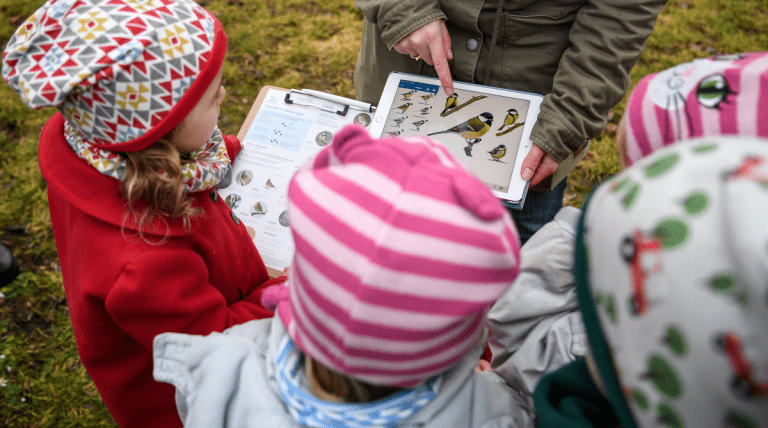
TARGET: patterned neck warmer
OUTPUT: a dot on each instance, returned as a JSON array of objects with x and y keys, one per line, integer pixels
[
  {"x": 313, "y": 412},
  {"x": 209, "y": 166}
]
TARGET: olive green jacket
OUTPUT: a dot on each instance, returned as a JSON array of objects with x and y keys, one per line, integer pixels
[{"x": 577, "y": 53}]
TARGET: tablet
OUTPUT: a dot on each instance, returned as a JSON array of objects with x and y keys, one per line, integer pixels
[{"x": 486, "y": 128}]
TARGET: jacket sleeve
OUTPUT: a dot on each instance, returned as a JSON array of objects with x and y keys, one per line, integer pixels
[
  {"x": 607, "y": 38},
  {"x": 233, "y": 146},
  {"x": 535, "y": 327},
  {"x": 167, "y": 290},
  {"x": 221, "y": 380},
  {"x": 399, "y": 18}
]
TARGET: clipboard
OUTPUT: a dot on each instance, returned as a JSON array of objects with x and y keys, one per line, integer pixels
[{"x": 284, "y": 129}]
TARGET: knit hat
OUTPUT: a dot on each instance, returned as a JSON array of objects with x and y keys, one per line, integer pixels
[
  {"x": 400, "y": 252},
  {"x": 671, "y": 268},
  {"x": 123, "y": 73},
  {"x": 721, "y": 95}
]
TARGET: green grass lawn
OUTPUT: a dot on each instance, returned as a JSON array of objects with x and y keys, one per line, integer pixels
[{"x": 288, "y": 43}]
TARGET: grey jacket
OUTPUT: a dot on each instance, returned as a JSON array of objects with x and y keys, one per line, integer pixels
[
  {"x": 536, "y": 326},
  {"x": 229, "y": 380},
  {"x": 578, "y": 53}
]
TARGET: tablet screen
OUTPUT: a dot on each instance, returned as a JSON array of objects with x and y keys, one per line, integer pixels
[{"x": 482, "y": 130}]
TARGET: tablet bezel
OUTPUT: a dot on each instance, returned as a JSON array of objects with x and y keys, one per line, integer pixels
[{"x": 517, "y": 187}]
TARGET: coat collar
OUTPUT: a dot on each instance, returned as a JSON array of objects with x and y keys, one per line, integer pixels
[{"x": 93, "y": 192}]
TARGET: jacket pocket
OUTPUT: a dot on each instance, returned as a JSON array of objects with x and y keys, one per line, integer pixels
[{"x": 534, "y": 41}]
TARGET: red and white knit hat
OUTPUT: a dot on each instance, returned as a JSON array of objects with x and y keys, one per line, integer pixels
[
  {"x": 123, "y": 73},
  {"x": 400, "y": 252},
  {"x": 722, "y": 95}
]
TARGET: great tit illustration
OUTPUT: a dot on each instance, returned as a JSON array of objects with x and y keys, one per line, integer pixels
[
  {"x": 471, "y": 143},
  {"x": 510, "y": 119},
  {"x": 498, "y": 152},
  {"x": 408, "y": 94},
  {"x": 451, "y": 102},
  {"x": 472, "y": 128},
  {"x": 404, "y": 107}
]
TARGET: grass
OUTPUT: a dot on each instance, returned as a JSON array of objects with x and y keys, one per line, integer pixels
[{"x": 288, "y": 43}]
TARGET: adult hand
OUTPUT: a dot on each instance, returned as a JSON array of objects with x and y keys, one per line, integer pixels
[
  {"x": 538, "y": 165},
  {"x": 431, "y": 43}
]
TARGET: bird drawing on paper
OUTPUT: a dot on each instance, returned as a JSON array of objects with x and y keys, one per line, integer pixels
[
  {"x": 498, "y": 152},
  {"x": 510, "y": 119},
  {"x": 473, "y": 128},
  {"x": 404, "y": 107},
  {"x": 258, "y": 209},
  {"x": 451, "y": 102}
]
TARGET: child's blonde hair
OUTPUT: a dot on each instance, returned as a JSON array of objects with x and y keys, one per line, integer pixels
[
  {"x": 154, "y": 175},
  {"x": 347, "y": 389}
]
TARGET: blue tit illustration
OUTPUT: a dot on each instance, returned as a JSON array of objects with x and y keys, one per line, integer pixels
[
  {"x": 510, "y": 119},
  {"x": 473, "y": 128},
  {"x": 470, "y": 144},
  {"x": 498, "y": 152},
  {"x": 451, "y": 102},
  {"x": 404, "y": 107}
]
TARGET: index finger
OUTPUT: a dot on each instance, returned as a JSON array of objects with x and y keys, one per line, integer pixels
[{"x": 437, "y": 51}]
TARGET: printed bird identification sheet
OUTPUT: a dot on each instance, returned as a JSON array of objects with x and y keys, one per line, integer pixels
[
  {"x": 278, "y": 137},
  {"x": 486, "y": 128}
]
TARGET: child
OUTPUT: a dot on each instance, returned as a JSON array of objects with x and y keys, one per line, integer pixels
[
  {"x": 132, "y": 160},
  {"x": 400, "y": 251},
  {"x": 671, "y": 264},
  {"x": 721, "y": 95}
]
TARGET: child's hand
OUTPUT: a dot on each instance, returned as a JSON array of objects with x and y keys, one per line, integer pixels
[{"x": 483, "y": 366}]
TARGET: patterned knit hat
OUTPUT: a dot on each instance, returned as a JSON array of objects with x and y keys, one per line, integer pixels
[
  {"x": 671, "y": 268},
  {"x": 400, "y": 252},
  {"x": 722, "y": 95},
  {"x": 124, "y": 73}
]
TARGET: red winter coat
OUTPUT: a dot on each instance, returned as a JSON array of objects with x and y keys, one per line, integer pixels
[{"x": 122, "y": 291}]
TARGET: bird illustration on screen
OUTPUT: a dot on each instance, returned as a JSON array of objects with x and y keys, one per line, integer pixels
[
  {"x": 470, "y": 144},
  {"x": 418, "y": 124},
  {"x": 473, "y": 128},
  {"x": 408, "y": 94},
  {"x": 404, "y": 107},
  {"x": 498, "y": 152},
  {"x": 451, "y": 102},
  {"x": 510, "y": 119}
]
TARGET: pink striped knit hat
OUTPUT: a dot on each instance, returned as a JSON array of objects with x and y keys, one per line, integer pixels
[
  {"x": 721, "y": 95},
  {"x": 400, "y": 252}
]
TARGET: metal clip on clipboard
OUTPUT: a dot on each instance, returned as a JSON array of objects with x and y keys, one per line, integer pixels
[{"x": 288, "y": 100}]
